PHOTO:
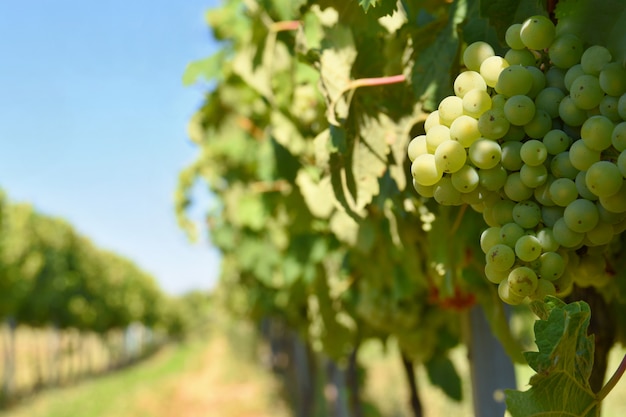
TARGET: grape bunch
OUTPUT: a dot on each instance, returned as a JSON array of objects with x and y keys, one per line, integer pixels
[{"x": 535, "y": 141}]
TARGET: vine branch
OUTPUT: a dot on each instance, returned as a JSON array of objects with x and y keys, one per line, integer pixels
[{"x": 613, "y": 381}]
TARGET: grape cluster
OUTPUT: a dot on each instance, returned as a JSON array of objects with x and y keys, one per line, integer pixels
[{"x": 535, "y": 141}]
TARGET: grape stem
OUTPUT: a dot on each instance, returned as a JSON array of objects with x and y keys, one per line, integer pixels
[
  {"x": 285, "y": 25},
  {"x": 613, "y": 381},
  {"x": 353, "y": 85}
]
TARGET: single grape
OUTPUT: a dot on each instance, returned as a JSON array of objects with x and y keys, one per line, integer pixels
[
  {"x": 512, "y": 36},
  {"x": 417, "y": 146},
  {"x": 507, "y": 295},
  {"x": 603, "y": 178},
  {"x": 586, "y": 92},
  {"x": 547, "y": 241},
  {"x": 431, "y": 120},
  {"x": 618, "y": 137},
  {"x": 435, "y": 136},
  {"x": 581, "y": 215},
  {"x": 465, "y": 179},
  {"x": 602, "y": 234},
  {"x": 616, "y": 203},
  {"x": 492, "y": 179},
  {"x": 468, "y": 80},
  {"x": 476, "y": 53},
  {"x": 533, "y": 152},
  {"x": 571, "y": 74},
  {"x": 539, "y": 126},
  {"x": 561, "y": 166},
  {"x": 424, "y": 170},
  {"x": 549, "y": 100},
  {"x": 566, "y": 50},
  {"x": 503, "y": 211},
  {"x": 495, "y": 275},
  {"x": 570, "y": 113},
  {"x": 519, "y": 110},
  {"x": 485, "y": 153},
  {"x": 556, "y": 141},
  {"x": 511, "y": 159},
  {"x": 476, "y": 102},
  {"x": 522, "y": 281},
  {"x": 563, "y": 191},
  {"x": 449, "y": 109},
  {"x": 609, "y": 108},
  {"x": 445, "y": 193},
  {"x": 527, "y": 214},
  {"x": 555, "y": 77},
  {"x": 522, "y": 57},
  {"x": 491, "y": 68},
  {"x": 425, "y": 191},
  {"x": 581, "y": 156},
  {"x": 514, "y": 80},
  {"x": 510, "y": 233},
  {"x": 552, "y": 266},
  {"x": 450, "y": 156},
  {"x": 527, "y": 248},
  {"x": 501, "y": 256},
  {"x": 551, "y": 214},
  {"x": 489, "y": 238},
  {"x": 464, "y": 129},
  {"x": 537, "y": 32},
  {"x": 594, "y": 59},
  {"x": 544, "y": 289},
  {"x": 596, "y": 132},
  {"x": 493, "y": 124},
  {"x": 533, "y": 176},
  {"x": 539, "y": 81},
  {"x": 613, "y": 79},
  {"x": 515, "y": 189}
]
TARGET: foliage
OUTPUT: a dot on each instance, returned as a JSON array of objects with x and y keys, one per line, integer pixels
[{"x": 302, "y": 140}]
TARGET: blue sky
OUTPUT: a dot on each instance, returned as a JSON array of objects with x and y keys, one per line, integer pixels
[{"x": 93, "y": 119}]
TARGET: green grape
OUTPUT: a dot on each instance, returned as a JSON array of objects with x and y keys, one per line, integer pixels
[
  {"x": 503, "y": 211},
  {"x": 613, "y": 79},
  {"x": 561, "y": 166},
  {"x": 522, "y": 57},
  {"x": 497, "y": 101},
  {"x": 551, "y": 214},
  {"x": 556, "y": 141},
  {"x": 555, "y": 77},
  {"x": 621, "y": 106},
  {"x": 425, "y": 191},
  {"x": 464, "y": 130},
  {"x": 564, "y": 284},
  {"x": 510, "y": 233},
  {"x": 570, "y": 113},
  {"x": 565, "y": 236},
  {"x": 621, "y": 163},
  {"x": 581, "y": 186},
  {"x": 603, "y": 178},
  {"x": 449, "y": 109},
  {"x": 519, "y": 110},
  {"x": 522, "y": 281},
  {"x": 563, "y": 191},
  {"x": 596, "y": 132},
  {"x": 539, "y": 81},
  {"x": 566, "y": 50},
  {"x": 445, "y": 193},
  {"x": 514, "y": 134},
  {"x": 586, "y": 92},
  {"x": 476, "y": 102},
  {"x": 417, "y": 146},
  {"x": 609, "y": 216},
  {"x": 514, "y": 80},
  {"x": 571, "y": 74},
  {"x": 465, "y": 179},
  {"x": 485, "y": 153},
  {"x": 618, "y": 137},
  {"x": 572, "y": 131},
  {"x": 581, "y": 156},
  {"x": 591, "y": 271},
  {"x": 602, "y": 234},
  {"x": 548, "y": 100},
  {"x": 512, "y": 36},
  {"x": 493, "y": 124},
  {"x": 537, "y": 32},
  {"x": 544, "y": 288},
  {"x": 581, "y": 215},
  {"x": 527, "y": 214},
  {"x": 424, "y": 170},
  {"x": 552, "y": 265},
  {"x": 542, "y": 191},
  {"x": 489, "y": 238},
  {"x": 431, "y": 120},
  {"x": 450, "y": 156},
  {"x": 515, "y": 189},
  {"x": 507, "y": 295},
  {"x": 615, "y": 203},
  {"x": 435, "y": 136},
  {"x": 511, "y": 159},
  {"x": 476, "y": 53},
  {"x": 533, "y": 176},
  {"x": 491, "y": 68},
  {"x": 468, "y": 80},
  {"x": 547, "y": 241},
  {"x": 594, "y": 59},
  {"x": 540, "y": 124},
  {"x": 492, "y": 179},
  {"x": 533, "y": 152},
  {"x": 609, "y": 108},
  {"x": 495, "y": 275},
  {"x": 527, "y": 248},
  {"x": 501, "y": 256}
]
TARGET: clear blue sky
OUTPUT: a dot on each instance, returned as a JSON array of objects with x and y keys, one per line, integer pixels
[{"x": 93, "y": 119}]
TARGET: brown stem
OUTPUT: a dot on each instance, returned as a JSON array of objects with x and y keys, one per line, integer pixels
[{"x": 416, "y": 404}]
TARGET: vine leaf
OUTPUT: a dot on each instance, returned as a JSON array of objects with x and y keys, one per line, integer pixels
[{"x": 563, "y": 364}]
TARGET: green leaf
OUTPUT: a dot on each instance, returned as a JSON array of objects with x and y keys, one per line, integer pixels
[
  {"x": 596, "y": 23},
  {"x": 503, "y": 13},
  {"x": 442, "y": 373},
  {"x": 563, "y": 364},
  {"x": 210, "y": 69},
  {"x": 381, "y": 7}
]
